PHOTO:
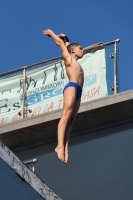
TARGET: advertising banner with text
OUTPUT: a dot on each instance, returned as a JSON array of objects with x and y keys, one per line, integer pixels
[{"x": 44, "y": 87}]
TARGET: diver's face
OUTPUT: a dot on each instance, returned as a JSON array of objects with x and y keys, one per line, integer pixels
[{"x": 79, "y": 51}]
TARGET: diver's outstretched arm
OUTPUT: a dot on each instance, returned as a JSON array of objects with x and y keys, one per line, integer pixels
[{"x": 59, "y": 42}]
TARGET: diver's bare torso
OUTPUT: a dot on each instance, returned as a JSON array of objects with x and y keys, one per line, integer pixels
[{"x": 75, "y": 72}]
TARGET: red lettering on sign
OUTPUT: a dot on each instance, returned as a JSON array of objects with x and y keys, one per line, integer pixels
[
  {"x": 60, "y": 101},
  {"x": 37, "y": 110},
  {"x": 91, "y": 93},
  {"x": 3, "y": 121},
  {"x": 45, "y": 108},
  {"x": 50, "y": 107},
  {"x": 87, "y": 95},
  {"x": 97, "y": 91},
  {"x": 16, "y": 117}
]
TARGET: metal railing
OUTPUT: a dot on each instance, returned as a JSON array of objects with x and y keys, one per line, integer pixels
[{"x": 89, "y": 49}]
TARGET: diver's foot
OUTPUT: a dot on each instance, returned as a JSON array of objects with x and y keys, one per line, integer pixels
[
  {"x": 60, "y": 153},
  {"x": 66, "y": 156}
]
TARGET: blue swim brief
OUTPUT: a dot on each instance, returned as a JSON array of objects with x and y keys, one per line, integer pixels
[{"x": 78, "y": 88}]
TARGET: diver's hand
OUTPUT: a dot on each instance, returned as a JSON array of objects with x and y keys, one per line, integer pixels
[
  {"x": 48, "y": 32},
  {"x": 61, "y": 35}
]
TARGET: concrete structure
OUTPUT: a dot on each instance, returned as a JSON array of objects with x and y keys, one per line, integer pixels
[
  {"x": 94, "y": 114},
  {"x": 26, "y": 175}
]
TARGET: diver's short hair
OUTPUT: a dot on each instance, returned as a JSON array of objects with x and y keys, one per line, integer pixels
[{"x": 72, "y": 45}]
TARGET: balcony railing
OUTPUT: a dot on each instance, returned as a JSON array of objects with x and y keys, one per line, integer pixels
[{"x": 18, "y": 102}]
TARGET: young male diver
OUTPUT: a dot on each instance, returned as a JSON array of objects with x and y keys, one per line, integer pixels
[{"x": 72, "y": 91}]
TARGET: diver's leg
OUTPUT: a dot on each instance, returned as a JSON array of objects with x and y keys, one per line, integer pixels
[
  {"x": 68, "y": 106},
  {"x": 69, "y": 126}
]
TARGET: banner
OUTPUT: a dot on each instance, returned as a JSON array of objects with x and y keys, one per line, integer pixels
[{"x": 44, "y": 87}]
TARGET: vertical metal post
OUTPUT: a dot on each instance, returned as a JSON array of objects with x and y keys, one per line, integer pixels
[
  {"x": 23, "y": 94},
  {"x": 115, "y": 68}
]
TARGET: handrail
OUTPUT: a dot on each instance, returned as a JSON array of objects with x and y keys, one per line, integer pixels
[
  {"x": 101, "y": 45},
  {"x": 86, "y": 49}
]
